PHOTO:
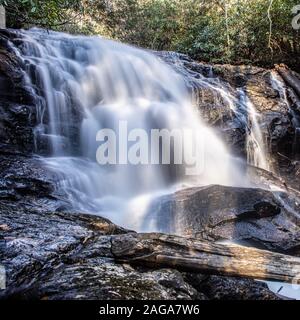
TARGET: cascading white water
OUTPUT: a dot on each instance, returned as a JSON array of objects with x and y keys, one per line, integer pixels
[
  {"x": 93, "y": 83},
  {"x": 109, "y": 82},
  {"x": 279, "y": 86},
  {"x": 256, "y": 150},
  {"x": 239, "y": 104}
]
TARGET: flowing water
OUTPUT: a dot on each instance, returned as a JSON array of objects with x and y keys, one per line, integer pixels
[
  {"x": 238, "y": 102},
  {"x": 86, "y": 84},
  {"x": 256, "y": 146},
  {"x": 278, "y": 85}
]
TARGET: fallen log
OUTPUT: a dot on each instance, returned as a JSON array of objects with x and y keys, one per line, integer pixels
[{"x": 157, "y": 250}]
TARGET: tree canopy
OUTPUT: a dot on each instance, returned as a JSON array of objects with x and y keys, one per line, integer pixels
[{"x": 234, "y": 31}]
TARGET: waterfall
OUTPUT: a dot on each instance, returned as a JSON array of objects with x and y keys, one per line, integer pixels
[
  {"x": 238, "y": 102},
  {"x": 279, "y": 86},
  {"x": 255, "y": 144},
  {"x": 86, "y": 84}
]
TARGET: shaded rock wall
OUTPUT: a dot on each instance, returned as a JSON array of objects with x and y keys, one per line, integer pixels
[
  {"x": 17, "y": 101},
  {"x": 276, "y": 119},
  {"x": 253, "y": 216}
]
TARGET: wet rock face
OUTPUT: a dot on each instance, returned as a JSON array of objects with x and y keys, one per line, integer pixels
[
  {"x": 21, "y": 104},
  {"x": 68, "y": 256},
  {"x": 275, "y": 118},
  {"x": 255, "y": 216},
  {"x": 224, "y": 288},
  {"x": 17, "y": 103},
  {"x": 25, "y": 183}
]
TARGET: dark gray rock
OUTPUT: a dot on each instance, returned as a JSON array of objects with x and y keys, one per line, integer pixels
[
  {"x": 276, "y": 118},
  {"x": 224, "y": 288},
  {"x": 17, "y": 101},
  {"x": 255, "y": 216},
  {"x": 68, "y": 256},
  {"x": 21, "y": 103},
  {"x": 26, "y": 183}
]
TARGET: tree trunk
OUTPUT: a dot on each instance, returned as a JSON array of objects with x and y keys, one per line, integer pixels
[{"x": 186, "y": 254}]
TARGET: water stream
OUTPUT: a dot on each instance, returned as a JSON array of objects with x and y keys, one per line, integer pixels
[
  {"x": 279, "y": 86},
  {"x": 237, "y": 101},
  {"x": 86, "y": 84}
]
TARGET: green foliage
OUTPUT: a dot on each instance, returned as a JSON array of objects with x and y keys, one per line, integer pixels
[
  {"x": 233, "y": 31},
  {"x": 42, "y": 13}
]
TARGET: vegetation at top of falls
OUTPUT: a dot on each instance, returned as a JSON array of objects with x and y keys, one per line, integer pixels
[
  {"x": 224, "y": 31},
  {"x": 42, "y": 13}
]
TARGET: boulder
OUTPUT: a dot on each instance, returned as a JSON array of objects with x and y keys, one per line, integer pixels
[
  {"x": 224, "y": 288},
  {"x": 253, "y": 216}
]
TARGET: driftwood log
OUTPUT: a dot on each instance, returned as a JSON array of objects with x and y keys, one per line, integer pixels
[{"x": 186, "y": 254}]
